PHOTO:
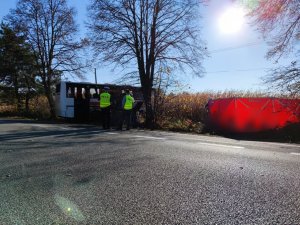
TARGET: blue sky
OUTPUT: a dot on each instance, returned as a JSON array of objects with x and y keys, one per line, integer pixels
[{"x": 236, "y": 62}]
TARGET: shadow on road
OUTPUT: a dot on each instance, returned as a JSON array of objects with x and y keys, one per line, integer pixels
[
  {"x": 288, "y": 134},
  {"x": 72, "y": 130},
  {"x": 83, "y": 132}
]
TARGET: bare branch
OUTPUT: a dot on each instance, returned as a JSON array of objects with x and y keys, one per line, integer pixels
[
  {"x": 279, "y": 22},
  {"x": 50, "y": 30}
]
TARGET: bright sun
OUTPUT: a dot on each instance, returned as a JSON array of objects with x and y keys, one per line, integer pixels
[{"x": 232, "y": 20}]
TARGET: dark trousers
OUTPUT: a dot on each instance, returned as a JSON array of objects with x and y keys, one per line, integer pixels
[
  {"x": 126, "y": 116},
  {"x": 134, "y": 121},
  {"x": 105, "y": 114}
]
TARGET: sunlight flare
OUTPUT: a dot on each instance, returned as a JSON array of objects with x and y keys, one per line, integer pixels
[{"x": 231, "y": 20}]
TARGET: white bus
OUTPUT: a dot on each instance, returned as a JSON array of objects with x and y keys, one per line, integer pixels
[{"x": 80, "y": 100}]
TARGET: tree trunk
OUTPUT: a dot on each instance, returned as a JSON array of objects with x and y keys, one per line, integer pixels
[
  {"x": 149, "y": 109},
  {"x": 18, "y": 97},
  {"x": 149, "y": 116},
  {"x": 27, "y": 96},
  {"x": 27, "y": 103},
  {"x": 19, "y": 103},
  {"x": 51, "y": 102}
]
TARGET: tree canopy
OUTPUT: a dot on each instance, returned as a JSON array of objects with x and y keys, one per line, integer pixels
[
  {"x": 17, "y": 65},
  {"x": 279, "y": 22},
  {"x": 148, "y": 35},
  {"x": 50, "y": 29}
]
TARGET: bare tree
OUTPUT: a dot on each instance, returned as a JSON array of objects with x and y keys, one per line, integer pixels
[
  {"x": 50, "y": 30},
  {"x": 147, "y": 33},
  {"x": 285, "y": 79},
  {"x": 279, "y": 22}
]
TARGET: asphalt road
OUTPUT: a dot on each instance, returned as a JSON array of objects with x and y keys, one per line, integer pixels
[{"x": 60, "y": 174}]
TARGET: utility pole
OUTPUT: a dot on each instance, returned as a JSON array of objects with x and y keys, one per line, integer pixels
[{"x": 95, "y": 76}]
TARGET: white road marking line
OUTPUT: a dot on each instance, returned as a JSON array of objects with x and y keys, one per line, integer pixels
[
  {"x": 110, "y": 133},
  {"x": 66, "y": 128},
  {"x": 220, "y": 145},
  {"x": 294, "y": 153},
  {"x": 41, "y": 125},
  {"x": 150, "y": 137},
  {"x": 285, "y": 145},
  {"x": 269, "y": 143},
  {"x": 206, "y": 139}
]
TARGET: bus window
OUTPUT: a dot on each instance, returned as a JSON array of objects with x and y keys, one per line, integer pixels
[
  {"x": 78, "y": 92},
  {"x": 93, "y": 93},
  {"x": 83, "y": 93},
  {"x": 87, "y": 93},
  {"x": 70, "y": 92}
]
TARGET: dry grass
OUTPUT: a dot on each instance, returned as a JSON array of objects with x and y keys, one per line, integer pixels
[
  {"x": 38, "y": 109},
  {"x": 5, "y": 108}
]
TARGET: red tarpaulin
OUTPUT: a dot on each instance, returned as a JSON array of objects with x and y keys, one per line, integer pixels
[{"x": 253, "y": 114}]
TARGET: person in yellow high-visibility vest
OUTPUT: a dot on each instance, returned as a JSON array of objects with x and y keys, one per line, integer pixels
[
  {"x": 105, "y": 104},
  {"x": 127, "y": 105}
]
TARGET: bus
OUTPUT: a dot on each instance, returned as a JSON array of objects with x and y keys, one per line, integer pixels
[{"x": 80, "y": 100}]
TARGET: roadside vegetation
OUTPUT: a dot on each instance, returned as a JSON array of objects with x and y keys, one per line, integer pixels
[
  {"x": 39, "y": 45},
  {"x": 38, "y": 108},
  {"x": 180, "y": 112},
  {"x": 187, "y": 112}
]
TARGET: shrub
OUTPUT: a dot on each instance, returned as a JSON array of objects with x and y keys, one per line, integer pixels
[{"x": 38, "y": 109}]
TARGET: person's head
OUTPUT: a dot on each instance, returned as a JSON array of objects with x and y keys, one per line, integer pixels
[
  {"x": 127, "y": 92},
  {"x": 106, "y": 89}
]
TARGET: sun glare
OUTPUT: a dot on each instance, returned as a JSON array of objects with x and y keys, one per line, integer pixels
[{"x": 231, "y": 20}]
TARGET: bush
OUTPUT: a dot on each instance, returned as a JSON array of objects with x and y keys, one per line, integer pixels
[
  {"x": 8, "y": 109},
  {"x": 38, "y": 109}
]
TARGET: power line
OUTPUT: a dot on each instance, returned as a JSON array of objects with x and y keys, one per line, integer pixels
[
  {"x": 240, "y": 70},
  {"x": 235, "y": 47}
]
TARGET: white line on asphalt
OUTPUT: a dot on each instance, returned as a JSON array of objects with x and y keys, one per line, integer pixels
[
  {"x": 220, "y": 145},
  {"x": 285, "y": 145},
  {"x": 294, "y": 153},
  {"x": 150, "y": 137},
  {"x": 41, "y": 125},
  {"x": 111, "y": 133},
  {"x": 66, "y": 128}
]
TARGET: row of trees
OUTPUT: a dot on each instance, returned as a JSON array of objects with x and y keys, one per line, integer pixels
[
  {"x": 17, "y": 67},
  {"x": 155, "y": 37}
]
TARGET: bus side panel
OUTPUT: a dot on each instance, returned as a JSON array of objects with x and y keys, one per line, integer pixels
[
  {"x": 57, "y": 104},
  {"x": 69, "y": 108},
  {"x": 64, "y": 105}
]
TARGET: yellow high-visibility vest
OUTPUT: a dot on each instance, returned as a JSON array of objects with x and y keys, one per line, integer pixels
[
  {"x": 104, "y": 100},
  {"x": 128, "y": 102}
]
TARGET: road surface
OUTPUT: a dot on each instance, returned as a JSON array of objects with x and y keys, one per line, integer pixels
[{"x": 61, "y": 174}]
